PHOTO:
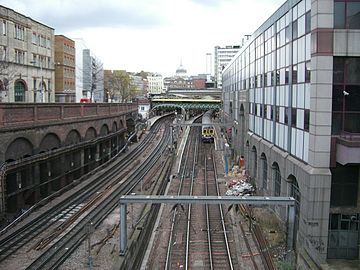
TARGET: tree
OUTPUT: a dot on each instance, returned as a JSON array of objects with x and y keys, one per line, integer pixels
[
  {"x": 119, "y": 86},
  {"x": 7, "y": 76},
  {"x": 97, "y": 79}
]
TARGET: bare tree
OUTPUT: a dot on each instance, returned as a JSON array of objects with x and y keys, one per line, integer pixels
[
  {"x": 7, "y": 76},
  {"x": 97, "y": 76}
]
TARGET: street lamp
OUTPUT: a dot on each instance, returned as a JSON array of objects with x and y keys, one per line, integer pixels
[
  {"x": 42, "y": 79},
  {"x": 343, "y": 111}
]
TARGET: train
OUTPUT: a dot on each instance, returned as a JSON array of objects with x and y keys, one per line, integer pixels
[{"x": 207, "y": 129}]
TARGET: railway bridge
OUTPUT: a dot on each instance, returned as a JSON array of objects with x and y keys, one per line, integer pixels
[
  {"x": 188, "y": 106},
  {"x": 45, "y": 147}
]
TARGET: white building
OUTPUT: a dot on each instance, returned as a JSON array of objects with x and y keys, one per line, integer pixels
[
  {"x": 222, "y": 57},
  {"x": 144, "y": 108},
  {"x": 89, "y": 74},
  {"x": 79, "y": 83},
  {"x": 26, "y": 59},
  {"x": 156, "y": 84}
]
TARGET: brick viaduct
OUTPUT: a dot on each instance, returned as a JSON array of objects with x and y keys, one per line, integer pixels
[{"x": 44, "y": 147}]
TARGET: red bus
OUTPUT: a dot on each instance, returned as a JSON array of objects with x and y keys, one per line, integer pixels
[{"x": 85, "y": 100}]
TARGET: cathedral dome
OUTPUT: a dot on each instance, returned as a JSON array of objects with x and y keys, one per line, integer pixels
[{"x": 181, "y": 71}]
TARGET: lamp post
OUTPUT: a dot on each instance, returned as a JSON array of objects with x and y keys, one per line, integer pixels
[{"x": 343, "y": 111}]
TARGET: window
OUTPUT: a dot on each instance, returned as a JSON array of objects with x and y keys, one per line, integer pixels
[
  {"x": 352, "y": 67},
  {"x": 287, "y": 75},
  {"x": 265, "y": 111},
  {"x": 344, "y": 185},
  {"x": 33, "y": 38},
  {"x": 19, "y": 32},
  {"x": 264, "y": 172},
  {"x": 306, "y": 120},
  {"x": 294, "y": 74},
  {"x": 19, "y": 56},
  {"x": 287, "y": 34},
  {"x": 346, "y": 80},
  {"x": 2, "y": 53},
  {"x": 353, "y": 15},
  {"x": 307, "y": 22},
  {"x": 347, "y": 14},
  {"x": 4, "y": 28},
  {"x": 277, "y": 77},
  {"x": 293, "y": 117},
  {"x": 277, "y": 180},
  {"x": 19, "y": 92},
  {"x": 295, "y": 29},
  {"x": 307, "y": 71}
]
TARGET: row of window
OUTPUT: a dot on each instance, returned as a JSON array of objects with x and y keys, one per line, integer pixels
[
  {"x": 300, "y": 73},
  {"x": 300, "y": 118},
  {"x": 41, "y": 61},
  {"x": 41, "y": 40}
]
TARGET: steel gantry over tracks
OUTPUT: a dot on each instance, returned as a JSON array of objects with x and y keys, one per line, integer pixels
[{"x": 251, "y": 200}]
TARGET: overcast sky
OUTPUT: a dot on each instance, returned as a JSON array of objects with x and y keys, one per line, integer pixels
[{"x": 151, "y": 35}]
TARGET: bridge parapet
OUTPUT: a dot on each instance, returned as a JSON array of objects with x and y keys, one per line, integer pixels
[{"x": 19, "y": 113}]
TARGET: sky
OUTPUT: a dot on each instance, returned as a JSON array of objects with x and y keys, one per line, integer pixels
[{"x": 151, "y": 35}]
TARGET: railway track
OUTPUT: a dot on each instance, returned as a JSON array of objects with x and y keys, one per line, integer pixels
[
  {"x": 219, "y": 247},
  {"x": 203, "y": 236},
  {"x": 199, "y": 237},
  {"x": 176, "y": 249},
  {"x": 94, "y": 193}
]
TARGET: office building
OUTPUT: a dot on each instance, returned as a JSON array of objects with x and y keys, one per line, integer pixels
[
  {"x": 292, "y": 95},
  {"x": 222, "y": 57}
]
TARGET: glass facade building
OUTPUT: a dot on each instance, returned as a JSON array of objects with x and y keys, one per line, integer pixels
[{"x": 292, "y": 96}]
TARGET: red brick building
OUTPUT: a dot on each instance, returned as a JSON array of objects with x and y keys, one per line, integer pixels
[{"x": 64, "y": 69}]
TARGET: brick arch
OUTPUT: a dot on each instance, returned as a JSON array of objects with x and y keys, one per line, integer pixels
[
  {"x": 18, "y": 148},
  {"x": 254, "y": 161},
  {"x": 49, "y": 142},
  {"x": 277, "y": 181},
  {"x": 90, "y": 134},
  {"x": 114, "y": 127},
  {"x": 121, "y": 124},
  {"x": 104, "y": 130},
  {"x": 264, "y": 168},
  {"x": 72, "y": 137}
]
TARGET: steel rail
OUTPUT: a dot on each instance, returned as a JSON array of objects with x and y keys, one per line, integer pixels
[
  {"x": 53, "y": 258},
  {"x": 222, "y": 215},
  {"x": 189, "y": 206}
]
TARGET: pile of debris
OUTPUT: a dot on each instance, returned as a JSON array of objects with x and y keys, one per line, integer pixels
[{"x": 240, "y": 185}]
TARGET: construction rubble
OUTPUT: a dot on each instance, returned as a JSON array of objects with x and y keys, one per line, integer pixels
[{"x": 239, "y": 183}]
